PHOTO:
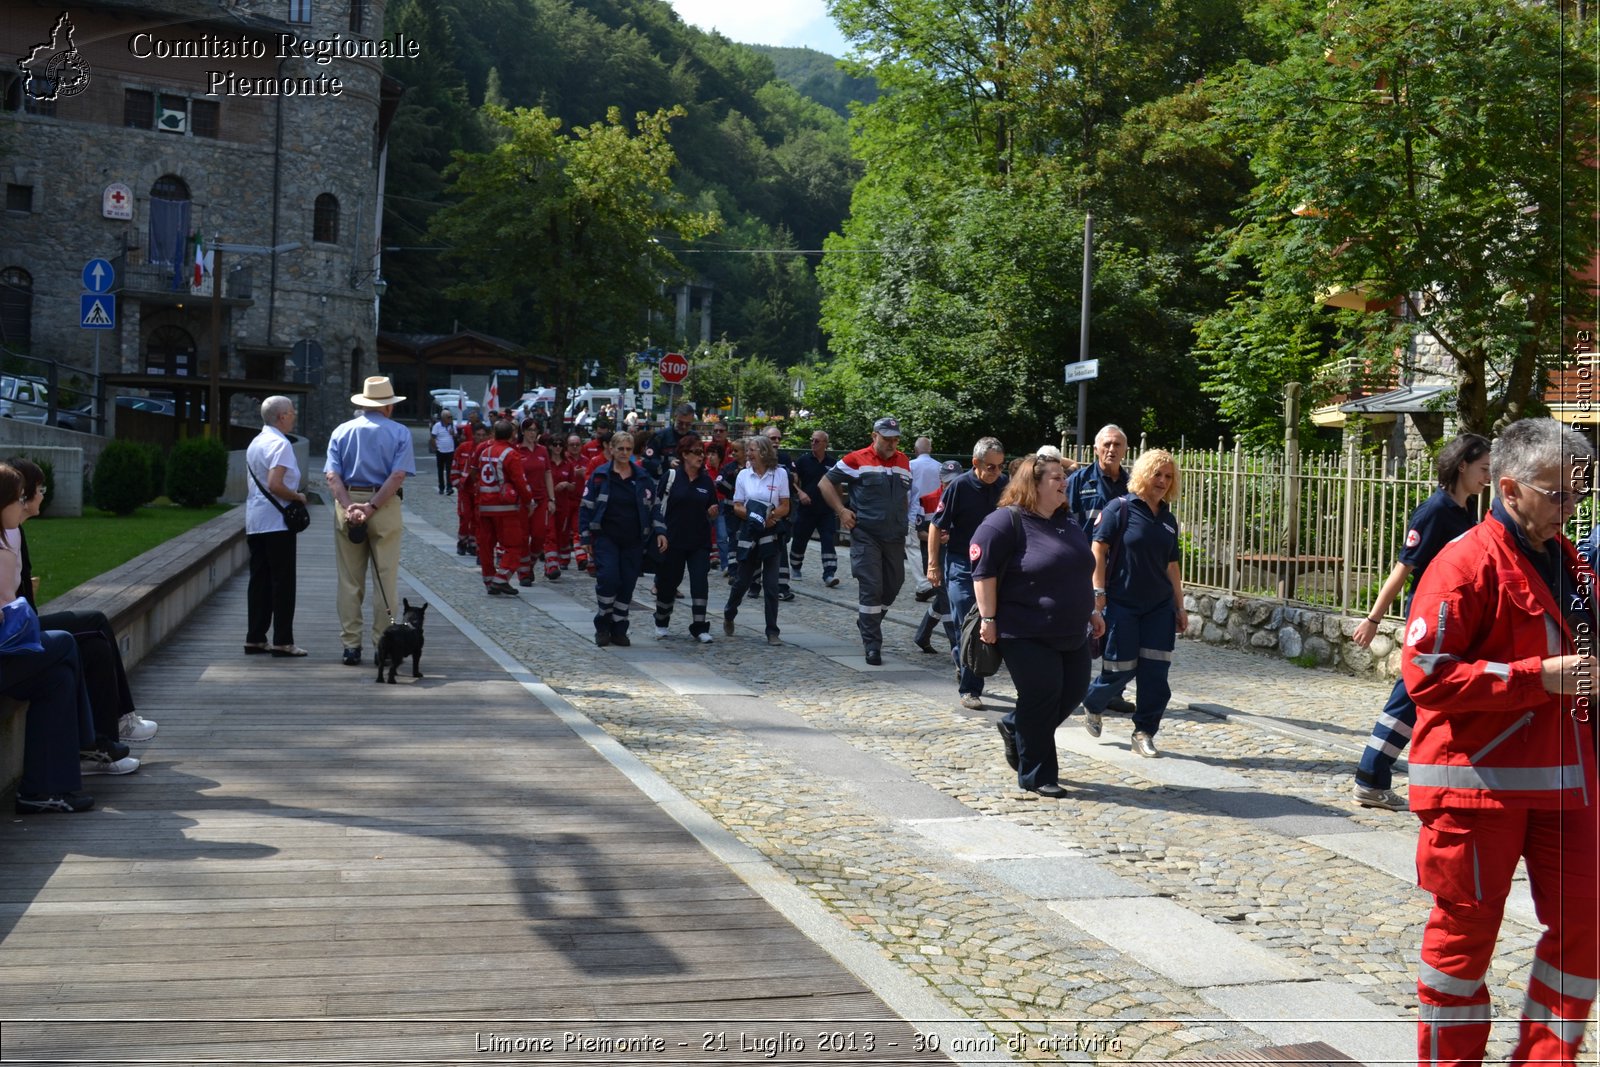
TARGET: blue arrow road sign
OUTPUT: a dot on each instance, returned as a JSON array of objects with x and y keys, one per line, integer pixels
[
  {"x": 98, "y": 276},
  {"x": 99, "y": 311}
]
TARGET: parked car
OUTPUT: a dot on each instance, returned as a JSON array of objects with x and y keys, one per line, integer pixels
[
  {"x": 25, "y": 399},
  {"x": 150, "y": 404},
  {"x": 78, "y": 416},
  {"x": 454, "y": 399}
]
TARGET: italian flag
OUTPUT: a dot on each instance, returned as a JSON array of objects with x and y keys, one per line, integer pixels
[{"x": 199, "y": 259}]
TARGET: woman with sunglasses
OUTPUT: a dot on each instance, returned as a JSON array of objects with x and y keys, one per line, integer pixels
[
  {"x": 686, "y": 508},
  {"x": 1463, "y": 470}
]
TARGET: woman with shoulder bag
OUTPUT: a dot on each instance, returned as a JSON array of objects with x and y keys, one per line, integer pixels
[
  {"x": 1138, "y": 583},
  {"x": 1031, "y": 573},
  {"x": 273, "y": 470},
  {"x": 686, "y": 507}
]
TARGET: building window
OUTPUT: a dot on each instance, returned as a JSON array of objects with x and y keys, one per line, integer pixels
[
  {"x": 19, "y": 198},
  {"x": 16, "y": 308},
  {"x": 358, "y": 16},
  {"x": 325, "y": 219},
  {"x": 204, "y": 117},
  {"x": 299, "y": 10},
  {"x": 138, "y": 108},
  {"x": 170, "y": 187}
]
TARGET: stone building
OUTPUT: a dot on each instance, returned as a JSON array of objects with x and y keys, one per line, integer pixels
[{"x": 129, "y": 128}]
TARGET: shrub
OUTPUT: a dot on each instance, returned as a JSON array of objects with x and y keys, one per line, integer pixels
[
  {"x": 197, "y": 472},
  {"x": 121, "y": 478},
  {"x": 156, "y": 457}
]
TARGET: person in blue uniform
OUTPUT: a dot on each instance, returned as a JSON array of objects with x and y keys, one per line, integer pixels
[
  {"x": 965, "y": 503},
  {"x": 1463, "y": 470},
  {"x": 1138, "y": 583},
  {"x": 686, "y": 508},
  {"x": 1091, "y": 488},
  {"x": 616, "y": 518}
]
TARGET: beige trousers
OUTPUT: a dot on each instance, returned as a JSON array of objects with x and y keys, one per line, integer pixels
[{"x": 356, "y": 562}]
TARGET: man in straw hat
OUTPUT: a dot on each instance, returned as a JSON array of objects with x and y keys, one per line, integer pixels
[{"x": 368, "y": 460}]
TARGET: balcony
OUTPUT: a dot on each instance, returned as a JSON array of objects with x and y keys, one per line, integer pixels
[{"x": 151, "y": 283}]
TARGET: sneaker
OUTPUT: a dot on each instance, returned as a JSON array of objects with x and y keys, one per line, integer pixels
[
  {"x": 794, "y": 572},
  {"x": 351, "y": 657},
  {"x": 1092, "y": 724},
  {"x": 134, "y": 727},
  {"x": 1368, "y": 797},
  {"x": 786, "y": 594},
  {"x": 830, "y": 580},
  {"x": 58, "y": 802},
  {"x": 971, "y": 701},
  {"x": 1144, "y": 744},
  {"x": 662, "y": 633},
  {"x": 99, "y": 761},
  {"x": 704, "y": 639}
]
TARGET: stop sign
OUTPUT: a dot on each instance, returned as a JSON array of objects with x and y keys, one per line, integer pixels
[{"x": 674, "y": 368}]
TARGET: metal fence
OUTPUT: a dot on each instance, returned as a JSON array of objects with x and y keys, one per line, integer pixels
[{"x": 1318, "y": 529}]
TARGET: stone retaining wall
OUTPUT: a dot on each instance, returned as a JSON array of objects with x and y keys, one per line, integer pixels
[{"x": 1311, "y": 636}]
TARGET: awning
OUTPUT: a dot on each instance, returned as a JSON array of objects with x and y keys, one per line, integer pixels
[{"x": 1406, "y": 400}]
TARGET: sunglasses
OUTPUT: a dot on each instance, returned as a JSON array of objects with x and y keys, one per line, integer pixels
[
  {"x": 1559, "y": 497},
  {"x": 695, "y": 452}
]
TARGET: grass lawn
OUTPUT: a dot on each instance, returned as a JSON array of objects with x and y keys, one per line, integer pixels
[{"x": 67, "y": 552}]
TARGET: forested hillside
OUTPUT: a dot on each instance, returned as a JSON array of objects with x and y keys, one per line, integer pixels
[
  {"x": 772, "y": 164},
  {"x": 817, "y": 75}
]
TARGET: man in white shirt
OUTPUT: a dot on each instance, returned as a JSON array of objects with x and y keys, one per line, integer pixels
[
  {"x": 924, "y": 484},
  {"x": 270, "y": 596},
  {"x": 443, "y": 447}
]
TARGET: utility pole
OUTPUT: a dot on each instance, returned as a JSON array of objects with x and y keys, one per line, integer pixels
[{"x": 1083, "y": 324}]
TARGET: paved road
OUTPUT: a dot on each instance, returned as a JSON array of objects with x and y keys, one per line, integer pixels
[{"x": 1225, "y": 896}]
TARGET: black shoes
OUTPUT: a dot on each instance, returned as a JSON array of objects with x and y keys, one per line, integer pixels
[
  {"x": 831, "y": 581},
  {"x": 786, "y": 594},
  {"x": 502, "y": 589},
  {"x": 602, "y": 638},
  {"x": 621, "y": 640},
  {"x": 1009, "y": 737},
  {"x": 774, "y": 639},
  {"x": 67, "y": 803},
  {"x": 925, "y": 595},
  {"x": 1120, "y": 706},
  {"x": 874, "y": 658},
  {"x": 352, "y": 657},
  {"x": 526, "y": 583},
  {"x": 727, "y": 625},
  {"x": 926, "y": 644},
  {"x": 1051, "y": 790}
]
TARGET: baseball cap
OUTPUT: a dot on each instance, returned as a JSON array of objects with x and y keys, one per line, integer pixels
[
  {"x": 949, "y": 469},
  {"x": 888, "y": 426}
]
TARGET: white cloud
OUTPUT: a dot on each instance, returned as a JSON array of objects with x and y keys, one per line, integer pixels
[{"x": 780, "y": 22}]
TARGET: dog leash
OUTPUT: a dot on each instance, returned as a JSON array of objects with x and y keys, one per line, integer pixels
[{"x": 378, "y": 581}]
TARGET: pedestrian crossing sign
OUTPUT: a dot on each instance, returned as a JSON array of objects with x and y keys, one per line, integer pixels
[{"x": 99, "y": 311}]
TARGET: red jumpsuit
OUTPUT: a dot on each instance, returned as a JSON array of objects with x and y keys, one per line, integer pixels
[
  {"x": 569, "y": 472},
  {"x": 502, "y": 494},
  {"x": 1499, "y": 769},
  {"x": 535, "y": 465}
]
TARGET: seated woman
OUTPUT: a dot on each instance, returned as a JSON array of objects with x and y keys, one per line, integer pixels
[
  {"x": 60, "y": 744},
  {"x": 98, "y": 651}
]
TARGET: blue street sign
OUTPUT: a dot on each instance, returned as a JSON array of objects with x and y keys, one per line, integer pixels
[
  {"x": 98, "y": 276},
  {"x": 647, "y": 383},
  {"x": 99, "y": 311}
]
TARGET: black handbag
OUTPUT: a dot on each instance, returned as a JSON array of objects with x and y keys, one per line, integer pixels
[
  {"x": 296, "y": 516},
  {"x": 977, "y": 655}
]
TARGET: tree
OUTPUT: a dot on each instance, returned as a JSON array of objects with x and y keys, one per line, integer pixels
[
  {"x": 1425, "y": 153},
  {"x": 568, "y": 223}
]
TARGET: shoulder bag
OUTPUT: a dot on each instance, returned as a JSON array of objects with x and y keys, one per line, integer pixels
[
  {"x": 296, "y": 516},
  {"x": 977, "y": 655}
]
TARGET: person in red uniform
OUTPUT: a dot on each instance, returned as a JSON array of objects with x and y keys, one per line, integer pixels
[
  {"x": 541, "y": 509},
  {"x": 569, "y": 480},
  {"x": 1499, "y": 658},
  {"x": 503, "y": 495},
  {"x": 461, "y": 477}
]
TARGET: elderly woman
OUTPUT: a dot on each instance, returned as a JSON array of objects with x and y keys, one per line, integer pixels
[
  {"x": 760, "y": 501},
  {"x": 1138, "y": 583},
  {"x": 272, "y": 469},
  {"x": 616, "y": 520},
  {"x": 686, "y": 507},
  {"x": 1031, "y": 566}
]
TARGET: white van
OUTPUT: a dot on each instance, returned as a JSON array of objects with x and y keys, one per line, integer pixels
[{"x": 587, "y": 402}]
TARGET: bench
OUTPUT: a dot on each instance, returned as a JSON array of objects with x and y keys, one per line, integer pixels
[
  {"x": 145, "y": 598},
  {"x": 1286, "y": 569}
]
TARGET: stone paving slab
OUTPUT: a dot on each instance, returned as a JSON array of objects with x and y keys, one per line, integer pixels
[
  {"x": 1050, "y": 879},
  {"x": 1288, "y": 1012},
  {"x": 976, "y": 840},
  {"x": 1175, "y": 942},
  {"x": 1169, "y": 769}
]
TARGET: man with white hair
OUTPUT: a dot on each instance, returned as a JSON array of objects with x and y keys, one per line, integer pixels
[
  {"x": 274, "y": 482},
  {"x": 1499, "y": 657},
  {"x": 1091, "y": 487}
]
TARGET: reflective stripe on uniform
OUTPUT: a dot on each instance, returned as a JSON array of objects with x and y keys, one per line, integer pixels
[
  {"x": 1456, "y": 776},
  {"x": 1569, "y": 1031},
  {"x": 1155, "y": 654},
  {"x": 1461, "y": 1015},
  {"x": 1448, "y": 984},
  {"x": 1568, "y": 985},
  {"x": 1119, "y": 664}
]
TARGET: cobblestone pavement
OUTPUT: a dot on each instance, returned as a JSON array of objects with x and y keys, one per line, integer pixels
[{"x": 1244, "y": 826}]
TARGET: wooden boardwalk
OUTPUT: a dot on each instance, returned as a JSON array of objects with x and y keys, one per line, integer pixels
[{"x": 313, "y": 868}]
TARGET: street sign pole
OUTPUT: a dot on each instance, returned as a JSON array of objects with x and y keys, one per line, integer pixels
[{"x": 1083, "y": 325}]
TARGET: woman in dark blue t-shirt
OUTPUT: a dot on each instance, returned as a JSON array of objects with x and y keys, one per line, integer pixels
[
  {"x": 686, "y": 508},
  {"x": 1139, "y": 585},
  {"x": 1031, "y": 569}
]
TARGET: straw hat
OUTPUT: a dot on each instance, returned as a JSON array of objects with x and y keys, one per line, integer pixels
[{"x": 376, "y": 393}]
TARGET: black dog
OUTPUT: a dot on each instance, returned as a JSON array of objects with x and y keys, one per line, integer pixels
[{"x": 401, "y": 640}]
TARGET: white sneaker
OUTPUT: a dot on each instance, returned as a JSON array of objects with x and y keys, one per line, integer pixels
[
  {"x": 662, "y": 632},
  {"x": 135, "y": 727},
  {"x": 1368, "y": 797},
  {"x": 102, "y": 763},
  {"x": 705, "y": 639}
]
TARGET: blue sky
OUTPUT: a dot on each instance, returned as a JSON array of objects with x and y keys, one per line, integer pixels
[{"x": 783, "y": 22}]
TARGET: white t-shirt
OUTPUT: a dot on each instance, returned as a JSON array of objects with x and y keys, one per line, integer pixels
[
  {"x": 444, "y": 437},
  {"x": 924, "y": 480},
  {"x": 270, "y": 449},
  {"x": 768, "y": 488}
]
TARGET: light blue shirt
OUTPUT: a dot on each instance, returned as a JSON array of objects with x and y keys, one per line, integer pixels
[{"x": 369, "y": 448}]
